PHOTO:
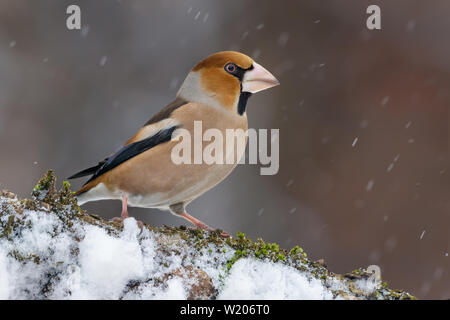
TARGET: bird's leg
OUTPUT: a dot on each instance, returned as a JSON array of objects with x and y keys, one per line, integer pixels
[
  {"x": 124, "y": 215},
  {"x": 201, "y": 225}
]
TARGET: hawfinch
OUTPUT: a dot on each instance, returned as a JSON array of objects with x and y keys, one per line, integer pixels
[{"x": 143, "y": 174}]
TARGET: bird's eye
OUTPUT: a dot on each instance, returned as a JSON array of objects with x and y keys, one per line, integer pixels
[{"x": 230, "y": 68}]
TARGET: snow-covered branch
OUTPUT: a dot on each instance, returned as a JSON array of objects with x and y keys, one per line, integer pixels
[{"x": 52, "y": 249}]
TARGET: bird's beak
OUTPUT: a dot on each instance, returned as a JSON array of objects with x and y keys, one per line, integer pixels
[{"x": 258, "y": 79}]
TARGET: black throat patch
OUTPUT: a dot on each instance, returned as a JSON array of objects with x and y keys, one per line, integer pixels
[{"x": 242, "y": 104}]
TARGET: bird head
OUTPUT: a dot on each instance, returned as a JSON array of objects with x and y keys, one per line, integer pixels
[{"x": 226, "y": 79}]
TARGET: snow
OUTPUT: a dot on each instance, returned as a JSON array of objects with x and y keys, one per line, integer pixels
[
  {"x": 367, "y": 286},
  {"x": 256, "y": 53},
  {"x": 390, "y": 167},
  {"x": 104, "y": 265},
  {"x": 44, "y": 257},
  {"x": 283, "y": 39},
  {"x": 369, "y": 185},
  {"x": 102, "y": 269},
  {"x": 251, "y": 279},
  {"x": 100, "y": 252},
  {"x": 422, "y": 234},
  {"x": 205, "y": 18},
  {"x": 103, "y": 61},
  {"x": 175, "y": 291},
  {"x": 4, "y": 281},
  {"x": 363, "y": 124},
  {"x": 85, "y": 31},
  {"x": 410, "y": 25}
]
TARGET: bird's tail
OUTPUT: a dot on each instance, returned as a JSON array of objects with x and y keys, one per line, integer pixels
[{"x": 86, "y": 172}]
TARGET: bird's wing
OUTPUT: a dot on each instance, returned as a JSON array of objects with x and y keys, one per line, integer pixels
[
  {"x": 157, "y": 130},
  {"x": 133, "y": 149}
]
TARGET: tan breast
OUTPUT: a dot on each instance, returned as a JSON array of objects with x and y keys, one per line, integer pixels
[{"x": 152, "y": 179}]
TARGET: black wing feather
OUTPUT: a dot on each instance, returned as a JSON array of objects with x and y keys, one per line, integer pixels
[
  {"x": 88, "y": 171},
  {"x": 125, "y": 153}
]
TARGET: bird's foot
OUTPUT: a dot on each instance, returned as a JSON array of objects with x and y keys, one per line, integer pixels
[
  {"x": 124, "y": 215},
  {"x": 201, "y": 225},
  {"x": 224, "y": 234},
  {"x": 120, "y": 220}
]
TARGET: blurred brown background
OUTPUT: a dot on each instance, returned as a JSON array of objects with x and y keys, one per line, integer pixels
[{"x": 363, "y": 117}]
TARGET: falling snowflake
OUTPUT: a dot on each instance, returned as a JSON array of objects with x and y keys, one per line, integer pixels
[
  {"x": 103, "y": 61},
  {"x": 370, "y": 185},
  {"x": 422, "y": 234}
]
